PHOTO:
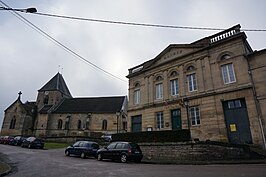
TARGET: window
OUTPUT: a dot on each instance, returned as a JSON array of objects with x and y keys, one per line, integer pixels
[
  {"x": 159, "y": 91},
  {"x": 194, "y": 115},
  {"x": 59, "y": 124},
  {"x": 104, "y": 125},
  {"x": 228, "y": 73},
  {"x": 124, "y": 125},
  {"x": 111, "y": 146},
  {"x": 79, "y": 124},
  {"x": 13, "y": 123},
  {"x": 67, "y": 122},
  {"x": 174, "y": 87},
  {"x": 137, "y": 97},
  {"x": 234, "y": 104},
  {"x": 159, "y": 120},
  {"x": 192, "y": 82},
  {"x": 46, "y": 99},
  {"x": 225, "y": 57}
]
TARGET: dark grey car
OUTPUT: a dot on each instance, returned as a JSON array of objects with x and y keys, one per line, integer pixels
[
  {"x": 82, "y": 149},
  {"x": 122, "y": 151}
]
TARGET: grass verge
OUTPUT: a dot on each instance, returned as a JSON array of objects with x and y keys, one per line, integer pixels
[{"x": 53, "y": 145}]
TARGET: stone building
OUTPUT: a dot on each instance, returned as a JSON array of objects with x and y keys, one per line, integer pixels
[
  {"x": 57, "y": 113},
  {"x": 215, "y": 87}
]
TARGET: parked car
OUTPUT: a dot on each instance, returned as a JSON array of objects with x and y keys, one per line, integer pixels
[
  {"x": 82, "y": 149},
  {"x": 1, "y": 139},
  {"x": 33, "y": 142},
  {"x": 6, "y": 139},
  {"x": 122, "y": 151},
  {"x": 107, "y": 137},
  {"x": 17, "y": 141}
]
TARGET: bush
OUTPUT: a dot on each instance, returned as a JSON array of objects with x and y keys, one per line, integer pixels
[{"x": 154, "y": 136}]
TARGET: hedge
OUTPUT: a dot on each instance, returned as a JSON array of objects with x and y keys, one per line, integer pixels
[{"x": 154, "y": 136}]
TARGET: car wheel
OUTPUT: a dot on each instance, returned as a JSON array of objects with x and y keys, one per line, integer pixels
[
  {"x": 82, "y": 155},
  {"x": 123, "y": 158},
  {"x": 99, "y": 157},
  {"x": 67, "y": 153}
]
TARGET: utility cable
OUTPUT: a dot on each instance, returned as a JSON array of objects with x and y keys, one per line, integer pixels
[
  {"x": 43, "y": 33},
  {"x": 142, "y": 24}
]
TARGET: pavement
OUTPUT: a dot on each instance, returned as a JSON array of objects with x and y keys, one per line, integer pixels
[{"x": 5, "y": 168}]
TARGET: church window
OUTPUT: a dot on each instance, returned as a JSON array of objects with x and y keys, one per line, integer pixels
[
  {"x": 60, "y": 124},
  {"x": 46, "y": 99},
  {"x": 13, "y": 123},
  {"x": 79, "y": 124},
  {"x": 104, "y": 125}
]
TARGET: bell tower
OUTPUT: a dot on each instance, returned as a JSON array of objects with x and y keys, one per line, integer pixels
[{"x": 52, "y": 92}]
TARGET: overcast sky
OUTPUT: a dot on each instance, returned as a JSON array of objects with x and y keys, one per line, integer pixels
[{"x": 29, "y": 60}]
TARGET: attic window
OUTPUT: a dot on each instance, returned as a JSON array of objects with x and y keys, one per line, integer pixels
[{"x": 225, "y": 57}]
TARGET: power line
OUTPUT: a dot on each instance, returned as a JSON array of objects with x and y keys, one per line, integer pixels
[
  {"x": 142, "y": 24},
  {"x": 43, "y": 33}
]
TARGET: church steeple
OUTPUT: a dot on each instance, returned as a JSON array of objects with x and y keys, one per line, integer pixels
[
  {"x": 53, "y": 92},
  {"x": 57, "y": 83}
]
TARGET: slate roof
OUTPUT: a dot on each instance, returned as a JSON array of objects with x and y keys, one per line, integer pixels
[
  {"x": 91, "y": 105},
  {"x": 57, "y": 83},
  {"x": 45, "y": 109},
  {"x": 29, "y": 107}
]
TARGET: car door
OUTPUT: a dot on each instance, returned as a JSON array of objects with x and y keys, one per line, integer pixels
[
  {"x": 75, "y": 148},
  {"x": 108, "y": 153},
  {"x": 116, "y": 153}
]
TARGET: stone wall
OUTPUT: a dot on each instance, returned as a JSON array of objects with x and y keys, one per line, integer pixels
[{"x": 194, "y": 152}]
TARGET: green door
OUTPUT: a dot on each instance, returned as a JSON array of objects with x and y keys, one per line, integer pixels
[{"x": 176, "y": 119}]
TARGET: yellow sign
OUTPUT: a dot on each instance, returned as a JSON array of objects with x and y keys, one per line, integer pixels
[{"x": 233, "y": 127}]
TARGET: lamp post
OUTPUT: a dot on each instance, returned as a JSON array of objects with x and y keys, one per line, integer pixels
[
  {"x": 186, "y": 103},
  {"x": 117, "y": 116},
  {"x": 27, "y": 10}
]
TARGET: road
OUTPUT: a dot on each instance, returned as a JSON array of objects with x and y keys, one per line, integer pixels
[{"x": 50, "y": 163}]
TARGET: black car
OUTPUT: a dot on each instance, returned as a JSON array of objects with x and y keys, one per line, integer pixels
[
  {"x": 122, "y": 151},
  {"x": 33, "y": 142},
  {"x": 17, "y": 141},
  {"x": 82, "y": 149}
]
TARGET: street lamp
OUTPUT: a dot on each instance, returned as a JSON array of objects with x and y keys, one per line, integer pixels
[
  {"x": 28, "y": 10},
  {"x": 186, "y": 103},
  {"x": 117, "y": 116}
]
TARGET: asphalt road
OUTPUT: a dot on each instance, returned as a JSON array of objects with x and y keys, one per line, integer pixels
[{"x": 50, "y": 163}]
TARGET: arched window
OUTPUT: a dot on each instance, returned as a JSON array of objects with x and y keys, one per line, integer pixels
[
  {"x": 159, "y": 78},
  {"x": 46, "y": 99},
  {"x": 59, "y": 124},
  {"x": 173, "y": 74},
  {"x": 79, "y": 124},
  {"x": 190, "y": 68},
  {"x": 137, "y": 85},
  {"x": 225, "y": 56},
  {"x": 104, "y": 125},
  {"x": 13, "y": 123}
]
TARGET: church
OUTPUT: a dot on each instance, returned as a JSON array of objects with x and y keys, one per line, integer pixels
[{"x": 56, "y": 113}]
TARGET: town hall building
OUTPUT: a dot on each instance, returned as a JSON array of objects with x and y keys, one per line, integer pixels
[{"x": 215, "y": 87}]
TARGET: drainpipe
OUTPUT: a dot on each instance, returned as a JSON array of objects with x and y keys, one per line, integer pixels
[{"x": 256, "y": 104}]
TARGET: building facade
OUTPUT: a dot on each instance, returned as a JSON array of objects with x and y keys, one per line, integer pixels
[
  {"x": 205, "y": 86},
  {"x": 56, "y": 113}
]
